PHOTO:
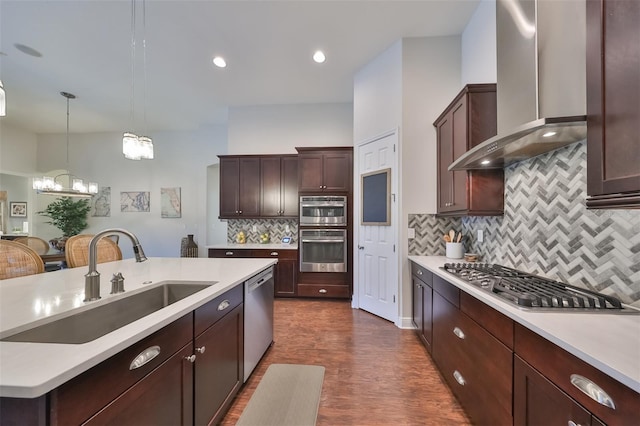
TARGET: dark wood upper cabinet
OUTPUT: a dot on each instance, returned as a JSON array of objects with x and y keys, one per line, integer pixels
[
  {"x": 468, "y": 121},
  {"x": 325, "y": 169},
  {"x": 613, "y": 104},
  {"x": 253, "y": 186},
  {"x": 239, "y": 186},
  {"x": 279, "y": 186}
]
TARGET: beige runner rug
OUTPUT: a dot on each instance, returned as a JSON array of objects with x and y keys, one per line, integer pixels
[{"x": 288, "y": 394}]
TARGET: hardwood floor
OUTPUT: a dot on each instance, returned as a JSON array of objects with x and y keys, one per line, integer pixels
[{"x": 376, "y": 373}]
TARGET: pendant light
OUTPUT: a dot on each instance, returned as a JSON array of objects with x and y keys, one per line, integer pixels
[
  {"x": 3, "y": 101},
  {"x": 75, "y": 187},
  {"x": 136, "y": 147}
]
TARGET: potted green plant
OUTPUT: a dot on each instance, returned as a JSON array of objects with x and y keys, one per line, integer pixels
[{"x": 69, "y": 216}]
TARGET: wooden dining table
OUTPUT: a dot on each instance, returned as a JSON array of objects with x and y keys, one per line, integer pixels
[{"x": 53, "y": 255}]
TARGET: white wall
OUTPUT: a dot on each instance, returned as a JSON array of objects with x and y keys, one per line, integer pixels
[
  {"x": 17, "y": 150},
  {"x": 377, "y": 95},
  {"x": 479, "y": 45},
  {"x": 181, "y": 160},
  {"x": 278, "y": 129}
]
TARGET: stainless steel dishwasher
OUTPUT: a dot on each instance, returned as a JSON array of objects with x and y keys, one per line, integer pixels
[{"x": 258, "y": 318}]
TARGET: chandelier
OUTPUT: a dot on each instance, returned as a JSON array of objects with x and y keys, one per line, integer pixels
[
  {"x": 136, "y": 147},
  {"x": 65, "y": 184}
]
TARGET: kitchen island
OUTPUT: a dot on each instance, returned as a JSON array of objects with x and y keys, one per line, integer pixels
[
  {"x": 559, "y": 366},
  {"x": 29, "y": 370}
]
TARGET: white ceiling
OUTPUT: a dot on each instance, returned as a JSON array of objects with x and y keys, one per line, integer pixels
[{"x": 86, "y": 50}]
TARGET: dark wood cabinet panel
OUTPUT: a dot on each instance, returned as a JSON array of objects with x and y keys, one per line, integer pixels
[
  {"x": 499, "y": 325},
  {"x": 279, "y": 186},
  {"x": 538, "y": 351},
  {"x": 472, "y": 362},
  {"x": 325, "y": 169},
  {"x": 219, "y": 367},
  {"x": 285, "y": 271},
  {"x": 538, "y": 402},
  {"x": 163, "y": 397},
  {"x": 239, "y": 187},
  {"x": 466, "y": 122},
  {"x": 613, "y": 106},
  {"x": 422, "y": 303}
]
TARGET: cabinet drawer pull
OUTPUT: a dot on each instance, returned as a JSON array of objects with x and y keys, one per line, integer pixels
[
  {"x": 229, "y": 253},
  {"x": 223, "y": 305},
  {"x": 592, "y": 390},
  {"x": 322, "y": 290},
  {"x": 459, "y": 378},
  {"x": 459, "y": 333},
  {"x": 274, "y": 253},
  {"x": 572, "y": 423},
  {"x": 201, "y": 349},
  {"x": 419, "y": 272},
  {"x": 144, "y": 357},
  {"x": 190, "y": 358}
]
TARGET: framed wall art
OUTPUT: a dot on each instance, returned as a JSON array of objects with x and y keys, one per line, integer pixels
[{"x": 18, "y": 209}]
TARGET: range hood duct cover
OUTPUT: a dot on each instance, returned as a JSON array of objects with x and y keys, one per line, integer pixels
[{"x": 541, "y": 89}]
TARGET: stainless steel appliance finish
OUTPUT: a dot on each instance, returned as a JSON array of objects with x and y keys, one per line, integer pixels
[
  {"x": 541, "y": 74},
  {"x": 528, "y": 291},
  {"x": 325, "y": 210},
  {"x": 323, "y": 250},
  {"x": 258, "y": 319}
]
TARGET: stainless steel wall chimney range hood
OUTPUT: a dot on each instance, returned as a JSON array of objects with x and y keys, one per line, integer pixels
[{"x": 541, "y": 90}]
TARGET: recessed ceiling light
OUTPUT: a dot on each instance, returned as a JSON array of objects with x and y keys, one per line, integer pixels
[
  {"x": 485, "y": 162},
  {"x": 548, "y": 134},
  {"x": 319, "y": 56},
  {"x": 219, "y": 62}
]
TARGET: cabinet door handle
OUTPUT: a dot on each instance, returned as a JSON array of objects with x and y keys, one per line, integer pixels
[
  {"x": 229, "y": 253},
  {"x": 190, "y": 358},
  {"x": 322, "y": 290},
  {"x": 419, "y": 272},
  {"x": 223, "y": 305},
  {"x": 240, "y": 211},
  {"x": 592, "y": 390},
  {"x": 201, "y": 349},
  {"x": 572, "y": 423},
  {"x": 459, "y": 333},
  {"x": 144, "y": 357},
  {"x": 459, "y": 378},
  {"x": 274, "y": 253}
]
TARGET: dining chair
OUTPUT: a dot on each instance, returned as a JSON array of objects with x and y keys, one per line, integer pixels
[
  {"x": 17, "y": 260},
  {"x": 39, "y": 245},
  {"x": 76, "y": 250}
]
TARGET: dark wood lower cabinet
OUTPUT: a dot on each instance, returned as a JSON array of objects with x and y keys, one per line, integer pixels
[
  {"x": 163, "y": 397},
  {"x": 538, "y": 402},
  {"x": 421, "y": 281},
  {"x": 219, "y": 367}
]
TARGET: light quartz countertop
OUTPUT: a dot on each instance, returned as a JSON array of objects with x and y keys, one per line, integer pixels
[
  {"x": 28, "y": 370},
  {"x": 253, "y": 246},
  {"x": 608, "y": 342}
]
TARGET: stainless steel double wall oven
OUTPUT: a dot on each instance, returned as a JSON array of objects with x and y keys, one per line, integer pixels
[{"x": 323, "y": 233}]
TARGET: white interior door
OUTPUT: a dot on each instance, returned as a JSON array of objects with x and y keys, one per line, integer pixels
[{"x": 377, "y": 280}]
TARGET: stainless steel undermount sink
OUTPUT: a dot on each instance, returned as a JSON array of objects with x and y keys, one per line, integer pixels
[{"x": 88, "y": 325}]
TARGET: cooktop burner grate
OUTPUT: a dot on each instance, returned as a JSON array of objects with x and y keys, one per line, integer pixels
[{"x": 531, "y": 291}]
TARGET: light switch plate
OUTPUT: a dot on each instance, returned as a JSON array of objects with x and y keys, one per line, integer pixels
[
  {"x": 480, "y": 235},
  {"x": 411, "y": 232}
]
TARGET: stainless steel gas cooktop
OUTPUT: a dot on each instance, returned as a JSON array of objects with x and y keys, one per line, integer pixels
[{"x": 532, "y": 292}]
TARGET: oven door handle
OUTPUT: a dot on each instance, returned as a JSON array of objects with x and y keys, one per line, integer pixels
[{"x": 323, "y": 241}]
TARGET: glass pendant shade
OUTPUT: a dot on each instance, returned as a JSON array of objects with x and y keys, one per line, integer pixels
[
  {"x": 3, "y": 101},
  {"x": 131, "y": 146},
  {"x": 146, "y": 147}
]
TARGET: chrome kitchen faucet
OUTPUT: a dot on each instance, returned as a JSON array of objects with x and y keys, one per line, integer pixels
[{"x": 92, "y": 278}]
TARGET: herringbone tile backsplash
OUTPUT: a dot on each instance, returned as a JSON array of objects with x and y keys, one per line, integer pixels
[
  {"x": 547, "y": 230},
  {"x": 277, "y": 228}
]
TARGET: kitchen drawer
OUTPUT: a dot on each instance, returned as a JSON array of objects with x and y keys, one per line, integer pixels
[
  {"x": 425, "y": 275},
  {"x": 446, "y": 289},
  {"x": 499, "y": 325},
  {"x": 477, "y": 367},
  {"x": 277, "y": 253},
  {"x": 222, "y": 253},
  {"x": 207, "y": 315},
  {"x": 323, "y": 290},
  {"x": 558, "y": 365},
  {"x": 103, "y": 383}
]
